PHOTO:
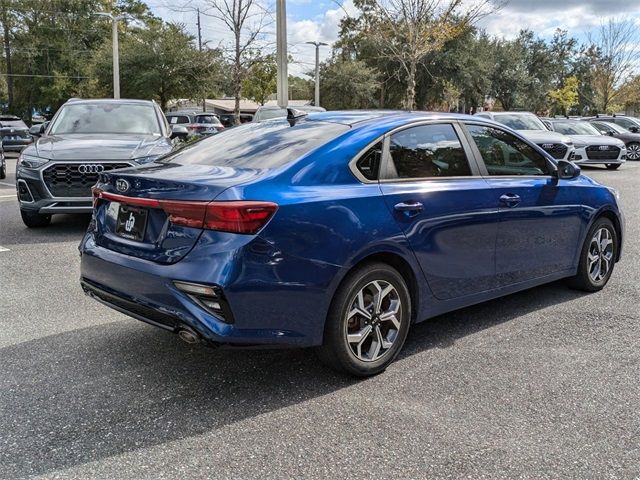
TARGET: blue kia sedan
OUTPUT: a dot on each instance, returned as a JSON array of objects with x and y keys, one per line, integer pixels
[{"x": 339, "y": 230}]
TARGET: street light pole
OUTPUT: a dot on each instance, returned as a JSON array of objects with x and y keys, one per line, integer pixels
[
  {"x": 317, "y": 96},
  {"x": 281, "y": 54},
  {"x": 116, "y": 50}
]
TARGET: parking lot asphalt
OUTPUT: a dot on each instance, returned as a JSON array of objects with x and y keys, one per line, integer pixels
[{"x": 541, "y": 384}]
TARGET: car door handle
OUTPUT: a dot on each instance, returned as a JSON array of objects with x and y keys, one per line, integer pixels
[
  {"x": 510, "y": 199},
  {"x": 409, "y": 207}
]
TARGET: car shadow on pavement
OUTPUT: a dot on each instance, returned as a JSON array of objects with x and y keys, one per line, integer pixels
[
  {"x": 63, "y": 228},
  {"x": 96, "y": 392}
]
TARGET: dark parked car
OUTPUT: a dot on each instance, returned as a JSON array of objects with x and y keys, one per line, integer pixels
[
  {"x": 14, "y": 133},
  {"x": 342, "y": 229},
  {"x": 630, "y": 123},
  {"x": 631, "y": 140},
  {"x": 228, "y": 119},
  {"x": 84, "y": 139},
  {"x": 268, "y": 112},
  {"x": 198, "y": 124}
]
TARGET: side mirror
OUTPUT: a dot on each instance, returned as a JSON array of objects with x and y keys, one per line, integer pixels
[
  {"x": 634, "y": 129},
  {"x": 611, "y": 133},
  {"x": 567, "y": 170},
  {"x": 179, "y": 131},
  {"x": 38, "y": 130}
]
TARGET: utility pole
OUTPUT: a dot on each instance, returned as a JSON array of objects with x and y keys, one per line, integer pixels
[
  {"x": 317, "y": 96},
  {"x": 281, "y": 54},
  {"x": 204, "y": 100},
  {"x": 7, "y": 50},
  {"x": 116, "y": 53}
]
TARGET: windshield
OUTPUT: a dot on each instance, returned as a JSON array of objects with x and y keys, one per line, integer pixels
[
  {"x": 258, "y": 145},
  {"x": 106, "y": 117},
  {"x": 269, "y": 113},
  {"x": 209, "y": 119},
  {"x": 575, "y": 128},
  {"x": 523, "y": 121}
]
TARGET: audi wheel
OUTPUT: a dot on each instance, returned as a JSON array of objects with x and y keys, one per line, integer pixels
[
  {"x": 368, "y": 321},
  {"x": 35, "y": 219},
  {"x": 633, "y": 151}
]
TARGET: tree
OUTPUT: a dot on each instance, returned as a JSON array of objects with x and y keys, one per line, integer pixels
[
  {"x": 566, "y": 96},
  {"x": 347, "y": 84},
  {"x": 245, "y": 19},
  {"x": 260, "y": 81},
  {"x": 614, "y": 54},
  {"x": 158, "y": 61},
  {"x": 405, "y": 31}
]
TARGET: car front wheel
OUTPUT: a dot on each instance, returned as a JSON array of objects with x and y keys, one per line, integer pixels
[
  {"x": 598, "y": 257},
  {"x": 368, "y": 321},
  {"x": 34, "y": 219},
  {"x": 633, "y": 151}
]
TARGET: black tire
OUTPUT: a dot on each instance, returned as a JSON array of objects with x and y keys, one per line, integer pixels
[
  {"x": 584, "y": 280},
  {"x": 336, "y": 352},
  {"x": 3, "y": 171},
  {"x": 633, "y": 151},
  {"x": 613, "y": 166},
  {"x": 34, "y": 219}
]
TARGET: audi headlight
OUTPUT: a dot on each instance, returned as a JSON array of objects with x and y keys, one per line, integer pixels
[{"x": 31, "y": 161}]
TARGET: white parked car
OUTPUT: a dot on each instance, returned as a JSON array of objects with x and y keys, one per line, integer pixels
[
  {"x": 591, "y": 146},
  {"x": 531, "y": 127}
]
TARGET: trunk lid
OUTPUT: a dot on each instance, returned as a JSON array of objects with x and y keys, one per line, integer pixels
[{"x": 129, "y": 219}]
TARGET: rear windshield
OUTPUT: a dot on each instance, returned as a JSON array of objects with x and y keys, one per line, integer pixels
[
  {"x": 258, "y": 145},
  {"x": 13, "y": 123},
  {"x": 210, "y": 119}
]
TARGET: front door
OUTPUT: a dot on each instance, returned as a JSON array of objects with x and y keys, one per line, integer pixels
[{"x": 540, "y": 221}]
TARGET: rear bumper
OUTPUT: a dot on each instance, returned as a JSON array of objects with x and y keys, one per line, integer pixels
[
  {"x": 16, "y": 145},
  {"x": 273, "y": 303}
]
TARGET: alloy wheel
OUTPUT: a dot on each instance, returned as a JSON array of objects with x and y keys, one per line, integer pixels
[
  {"x": 633, "y": 151},
  {"x": 600, "y": 256},
  {"x": 373, "y": 321}
]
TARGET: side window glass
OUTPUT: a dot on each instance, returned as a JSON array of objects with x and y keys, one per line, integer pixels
[
  {"x": 369, "y": 163},
  {"x": 504, "y": 154},
  {"x": 427, "y": 151}
]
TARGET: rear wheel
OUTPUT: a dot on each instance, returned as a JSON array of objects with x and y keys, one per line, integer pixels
[
  {"x": 613, "y": 166},
  {"x": 34, "y": 219},
  {"x": 633, "y": 151},
  {"x": 3, "y": 171},
  {"x": 598, "y": 257},
  {"x": 368, "y": 321}
]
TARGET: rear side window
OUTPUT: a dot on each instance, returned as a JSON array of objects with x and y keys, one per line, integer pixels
[
  {"x": 178, "y": 119},
  {"x": 369, "y": 163},
  {"x": 258, "y": 145},
  {"x": 427, "y": 151},
  {"x": 504, "y": 154}
]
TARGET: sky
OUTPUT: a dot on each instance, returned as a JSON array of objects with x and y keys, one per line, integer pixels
[{"x": 319, "y": 20}]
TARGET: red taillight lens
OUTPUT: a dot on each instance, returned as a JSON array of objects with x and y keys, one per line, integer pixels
[{"x": 238, "y": 217}]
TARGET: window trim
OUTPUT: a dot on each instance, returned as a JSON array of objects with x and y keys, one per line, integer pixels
[
  {"x": 483, "y": 168},
  {"x": 353, "y": 163}
]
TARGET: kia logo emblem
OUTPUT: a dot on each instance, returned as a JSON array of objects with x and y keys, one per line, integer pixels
[
  {"x": 122, "y": 185},
  {"x": 91, "y": 168}
]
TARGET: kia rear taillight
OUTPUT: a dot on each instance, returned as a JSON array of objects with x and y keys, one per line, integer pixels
[{"x": 243, "y": 216}]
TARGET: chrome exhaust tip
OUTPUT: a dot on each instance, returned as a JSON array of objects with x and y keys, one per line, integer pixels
[{"x": 188, "y": 336}]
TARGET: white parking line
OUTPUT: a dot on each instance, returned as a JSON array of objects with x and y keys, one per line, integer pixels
[
  {"x": 7, "y": 184},
  {"x": 2, "y": 249},
  {"x": 7, "y": 196}
]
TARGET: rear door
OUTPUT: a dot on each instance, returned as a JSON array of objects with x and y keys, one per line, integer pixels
[
  {"x": 447, "y": 211},
  {"x": 540, "y": 216}
]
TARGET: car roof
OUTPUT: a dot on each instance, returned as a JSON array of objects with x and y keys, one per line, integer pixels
[
  {"x": 9, "y": 117},
  {"x": 110, "y": 100},
  {"x": 354, "y": 117}
]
